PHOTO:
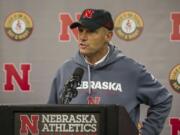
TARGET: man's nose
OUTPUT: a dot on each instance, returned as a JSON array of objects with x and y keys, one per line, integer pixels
[{"x": 83, "y": 36}]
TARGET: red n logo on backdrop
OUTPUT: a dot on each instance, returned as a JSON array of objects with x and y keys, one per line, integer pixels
[
  {"x": 175, "y": 126},
  {"x": 29, "y": 125},
  {"x": 21, "y": 78},
  {"x": 65, "y": 21},
  {"x": 175, "y": 34}
]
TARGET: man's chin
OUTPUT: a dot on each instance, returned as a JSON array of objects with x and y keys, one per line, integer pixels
[{"x": 85, "y": 53}]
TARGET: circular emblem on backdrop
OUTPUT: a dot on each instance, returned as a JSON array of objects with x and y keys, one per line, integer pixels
[
  {"x": 128, "y": 25},
  {"x": 174, "y": 78},
  {"x": 18, "y": 26}
]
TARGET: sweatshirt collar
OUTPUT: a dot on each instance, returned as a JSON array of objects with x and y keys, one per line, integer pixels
[{"x": 99, "y": 61}]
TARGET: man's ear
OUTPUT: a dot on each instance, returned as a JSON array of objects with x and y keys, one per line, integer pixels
[{"x": 108, "y": 36}]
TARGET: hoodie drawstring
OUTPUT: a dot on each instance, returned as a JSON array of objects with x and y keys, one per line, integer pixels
[{"x": 89, "y": 80}]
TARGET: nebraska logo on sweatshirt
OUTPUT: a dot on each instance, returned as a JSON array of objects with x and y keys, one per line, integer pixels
[{"x": 111, "y": 86}]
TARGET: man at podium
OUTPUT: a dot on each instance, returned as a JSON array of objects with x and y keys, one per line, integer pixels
[{"x": 107, "y": 76}]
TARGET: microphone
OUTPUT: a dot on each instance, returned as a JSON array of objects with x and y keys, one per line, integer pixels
[{"x": 70, "y": 90}]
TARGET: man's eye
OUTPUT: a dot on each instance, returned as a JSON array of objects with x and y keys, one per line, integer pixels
[
  {"x": 80, "y": 30},
  {"x": 87, "y": 30},
  {"x": 91, "y": 31}
]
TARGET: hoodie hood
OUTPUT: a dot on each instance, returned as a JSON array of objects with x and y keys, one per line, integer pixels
[{"x": 113, "y": 56}]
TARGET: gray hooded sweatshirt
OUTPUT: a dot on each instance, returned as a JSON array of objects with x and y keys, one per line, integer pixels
[{"x": 117, "y": 80}]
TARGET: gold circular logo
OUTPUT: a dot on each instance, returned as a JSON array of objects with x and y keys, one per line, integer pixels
[
  {"x": 174, "y": 78},
  {"x": 18, "y": 26},
  {"x": 128, "y": 25}
]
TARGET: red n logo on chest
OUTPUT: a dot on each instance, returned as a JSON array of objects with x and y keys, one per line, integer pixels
[{"x": 93, "y": 100}]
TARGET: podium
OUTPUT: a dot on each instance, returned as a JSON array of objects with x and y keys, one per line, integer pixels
[{"x": 65, "y": 120}]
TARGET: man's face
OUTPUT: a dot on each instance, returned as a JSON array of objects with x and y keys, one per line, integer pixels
[{"x": 92, "y": 43}]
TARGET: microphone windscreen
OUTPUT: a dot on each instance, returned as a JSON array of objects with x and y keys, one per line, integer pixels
[{"x": 78, "y": 73}]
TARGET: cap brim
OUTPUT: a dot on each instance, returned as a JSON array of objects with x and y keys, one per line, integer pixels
[
  {"x": 89, "y": 25},
  {"x": 75, "y": 24}
]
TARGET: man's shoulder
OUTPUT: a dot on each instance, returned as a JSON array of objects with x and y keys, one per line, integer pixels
[
  {"x": 131, "y": 64},
  {"x": 67, "y": 64},
  {"x": 68, "y": 61}
]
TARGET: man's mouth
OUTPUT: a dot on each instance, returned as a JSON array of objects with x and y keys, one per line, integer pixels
[{"x": 83, "y": 46}]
